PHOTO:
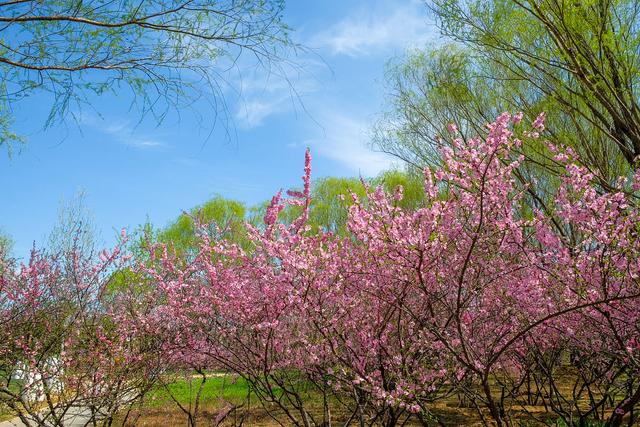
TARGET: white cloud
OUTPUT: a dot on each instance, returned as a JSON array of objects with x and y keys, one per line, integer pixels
[
  {"x": 252, "y": 113},
  {"x": 346, "y": 141},
  {"x": 378, "y": 29},
  {"x": 123, "y": 131},
  {"x": 266, "y": 92}
]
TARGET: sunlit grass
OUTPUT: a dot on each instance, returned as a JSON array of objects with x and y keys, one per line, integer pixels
[{"x": 228, "y": 388}]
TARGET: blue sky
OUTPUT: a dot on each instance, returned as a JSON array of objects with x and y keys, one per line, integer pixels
[{"x": 131, "y": 170}]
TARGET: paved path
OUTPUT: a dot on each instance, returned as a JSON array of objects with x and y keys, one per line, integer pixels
[{"x": 74, "y": 418}]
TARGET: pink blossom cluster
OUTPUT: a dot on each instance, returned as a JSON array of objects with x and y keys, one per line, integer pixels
[
  {"x": 479, "y": 290},
  {"x": 471, "y": 287}
]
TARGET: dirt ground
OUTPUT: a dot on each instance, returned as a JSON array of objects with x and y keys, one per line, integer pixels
[{"x": 448, "y": 412}]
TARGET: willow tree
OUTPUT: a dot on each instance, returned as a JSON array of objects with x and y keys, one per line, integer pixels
[
  {"x": 576, "y": 60},
  {"x": 220, "y": 218},
  {"x": 334, "y": 196},
  {"x": 164, "y": 53},
  {"x": 6, "y": 244}
]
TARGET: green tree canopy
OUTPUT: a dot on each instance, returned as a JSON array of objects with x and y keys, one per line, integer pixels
[
  {"x": 331, "y": 198},
  {"x": 226, "y": 219},
  {"x": 576, "y": 60},
  {"x": 6, "y": 244},
  {"x": 222, "y": 219}
]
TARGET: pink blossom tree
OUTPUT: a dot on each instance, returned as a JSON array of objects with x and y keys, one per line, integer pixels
[
  {"x": 62, "y": 357},
  {"x": 470, "y": 293},
  {"x": 473, "y": 293}
]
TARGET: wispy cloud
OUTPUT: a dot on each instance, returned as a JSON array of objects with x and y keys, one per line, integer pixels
[
  {"x": 123, "y": 131},
  {"x": 377, "y": 29},
  {"x": 252, "y": 113},
  {"x": 346, "y": 141},
  {"x": 267, "y": 92}
]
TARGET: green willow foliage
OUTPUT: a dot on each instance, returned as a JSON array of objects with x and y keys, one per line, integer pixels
[
  {"x": 162, "y": 52},
  {"x": 6, "y": 244},
  {"x": 329, "y": 209},
  {"x": 223, "y": 218},
  {"x": 576, "y": 60},
  {"x": 226, "y": 219}
]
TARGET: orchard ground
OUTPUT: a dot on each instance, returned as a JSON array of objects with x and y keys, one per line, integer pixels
[{"x": 225, "y": 391}]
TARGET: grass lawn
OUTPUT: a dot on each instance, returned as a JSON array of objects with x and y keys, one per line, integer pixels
[
  {"x": 219, "y": 391},
  {"x": 218, "y": 387}
]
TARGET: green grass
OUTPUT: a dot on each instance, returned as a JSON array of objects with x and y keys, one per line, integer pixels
[
  {"x": 228, "y": 387},
  {"x": 5, "y": 414}
]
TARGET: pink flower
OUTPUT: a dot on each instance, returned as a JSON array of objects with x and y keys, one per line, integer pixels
[
  {"x": 414, "y": 409},
  {"x": 517, "y": 118},
  {"x": 429, "y": 296},
  {"x": 538, "y": 123}
]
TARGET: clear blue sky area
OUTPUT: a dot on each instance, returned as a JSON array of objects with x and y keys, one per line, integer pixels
[{"x": 132, "y": 171}]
